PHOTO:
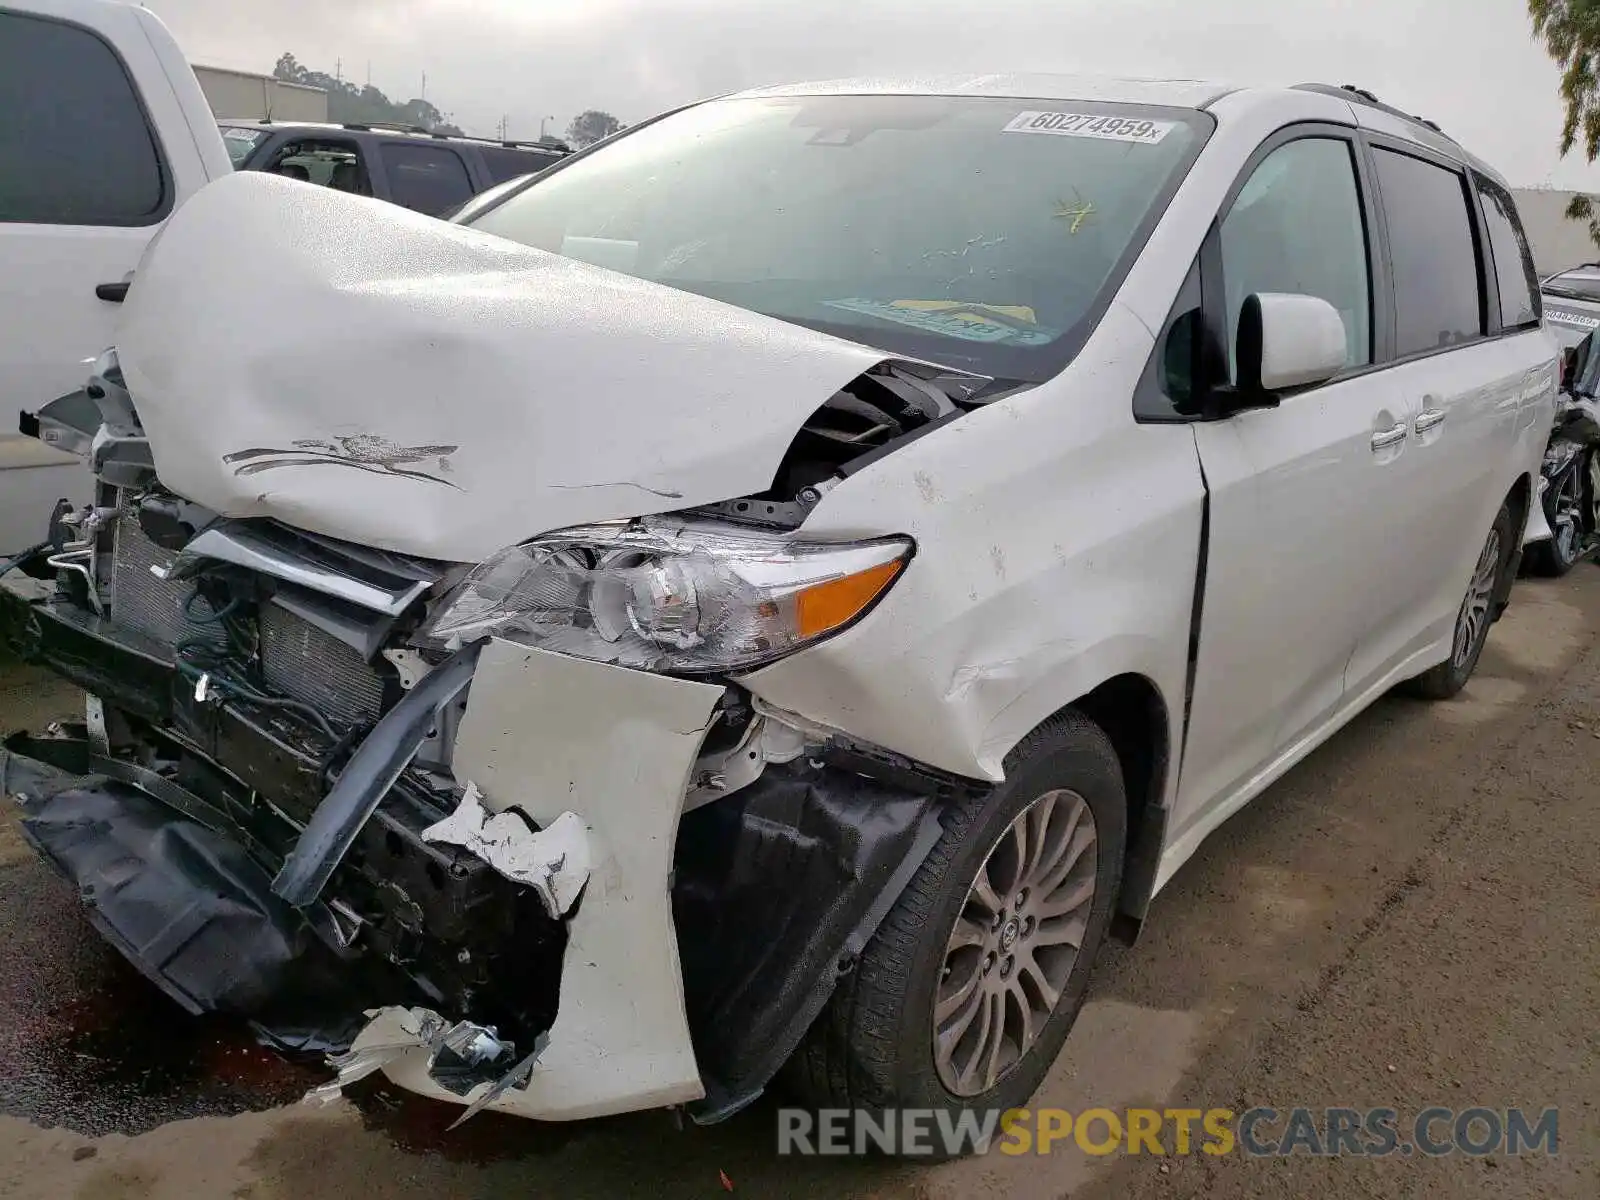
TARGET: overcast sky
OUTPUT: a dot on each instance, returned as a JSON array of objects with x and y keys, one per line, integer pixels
[{"x": 1471, "y": 65}]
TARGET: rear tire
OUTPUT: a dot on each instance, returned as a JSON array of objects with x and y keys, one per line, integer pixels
[
  {"x": 878, "y": 1043},
  {"x": 1475, "y": 616},
  {"x": 1571, "y": 527}
]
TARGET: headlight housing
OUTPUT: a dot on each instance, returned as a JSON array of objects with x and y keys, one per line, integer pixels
[{"x": 691, "y": 598}]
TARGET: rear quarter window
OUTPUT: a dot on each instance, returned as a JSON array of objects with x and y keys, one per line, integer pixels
[
  {"x": 1516, "y": 280},
  {"x": 429, "y": 179},
  {"x": 505, "y": 163},
  {"x": 75, "y": 145}
]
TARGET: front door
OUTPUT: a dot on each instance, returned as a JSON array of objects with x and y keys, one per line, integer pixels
[
  {"x": 82, "y": 188},
  {"x": 1302, "y": 496}
]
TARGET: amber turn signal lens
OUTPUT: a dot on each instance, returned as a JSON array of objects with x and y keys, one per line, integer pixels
[{"x": 826, "y": 606}]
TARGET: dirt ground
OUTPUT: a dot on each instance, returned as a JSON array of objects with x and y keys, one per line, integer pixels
[{"x": 1409, "y": 918}]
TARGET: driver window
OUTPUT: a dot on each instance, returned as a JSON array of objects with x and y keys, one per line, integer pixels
[{"x": 1297, "y": 227}]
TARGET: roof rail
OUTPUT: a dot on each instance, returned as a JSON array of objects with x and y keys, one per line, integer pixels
[
  {"x": 1358, "y": 95},
  {"x": 549, "y": 145},
  {"x": 388, "y": 126}
]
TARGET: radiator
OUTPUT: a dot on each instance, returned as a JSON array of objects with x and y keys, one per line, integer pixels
[
  {"x": 299, "y": 660},
  {"x": 309, "y": 664}
]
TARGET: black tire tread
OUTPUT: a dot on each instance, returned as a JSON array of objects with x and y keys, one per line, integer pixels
[{"x": 855, "y": 1037}]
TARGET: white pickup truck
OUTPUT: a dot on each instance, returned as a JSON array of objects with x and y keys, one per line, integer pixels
[{"x": 106, "y": 133}]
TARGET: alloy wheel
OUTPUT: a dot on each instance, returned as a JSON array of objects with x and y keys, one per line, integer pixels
[
  {"x": 1015, "y": 942},
  {"x": 1592, "y": 525},
  {"x": 1472, "y": 623},
  {"x": 1568, "y": 520}
]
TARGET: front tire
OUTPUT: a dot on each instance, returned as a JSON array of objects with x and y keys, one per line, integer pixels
[
  {"x": 1475, "y": 616},
  {"x": 963, "y": 998}
]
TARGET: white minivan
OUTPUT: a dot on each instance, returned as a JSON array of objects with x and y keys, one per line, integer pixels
[
  {"x": 105, "y": 132},
  {"x": 782, "y": 585}
]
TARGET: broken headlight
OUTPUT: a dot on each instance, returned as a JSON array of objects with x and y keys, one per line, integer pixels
[{"x": 690, "y": 598}]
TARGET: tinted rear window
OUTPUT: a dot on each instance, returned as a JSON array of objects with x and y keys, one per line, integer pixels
[
  {"x": 507, "y": 164},
  {"x": 75, "y": 148},
  {"x": 429, "y": 179},
  {"x": 1436, "y": 281}
]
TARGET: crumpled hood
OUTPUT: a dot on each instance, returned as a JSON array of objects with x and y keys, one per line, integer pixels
[{"x": 365, "y": 372}]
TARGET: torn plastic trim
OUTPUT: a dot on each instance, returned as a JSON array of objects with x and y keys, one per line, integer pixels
[
  {"x": 840, "y": 749},
  {"x": 371, "y": 772},
  {"x": 167, "y": 881},
  {"x": 289, "y": 558},
  {"x": 554, "y": 861},
  {"x": 461, "y": 1058},
  {"x": 777, "y": 892},
  {"x": 765, "y": 741},
  {"x": 34, "y": 769},
  {"x": 98, "y": 424},
  {"x": 68, "y": 424},
  {"x": 549, "y": 733}
]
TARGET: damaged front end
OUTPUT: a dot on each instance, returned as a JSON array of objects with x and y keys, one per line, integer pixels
[{"x": 506, "y": 832}]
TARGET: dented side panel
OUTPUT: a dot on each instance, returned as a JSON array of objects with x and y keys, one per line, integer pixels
[
  {"x": 548, "y": 735},
  {"x": 1057, "y": 544}
]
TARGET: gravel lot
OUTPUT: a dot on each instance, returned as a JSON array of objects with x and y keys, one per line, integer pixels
[{"x": 1406, "y": 919}]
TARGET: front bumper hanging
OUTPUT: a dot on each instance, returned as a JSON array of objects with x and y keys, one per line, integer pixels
[{"x": 770, "y": 892}]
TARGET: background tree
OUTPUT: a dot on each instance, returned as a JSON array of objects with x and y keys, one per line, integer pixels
[
  {"x": 589, "y": 127},
  {"x": 349, "y": 104},
  {"x": 1571, "y": 33}
]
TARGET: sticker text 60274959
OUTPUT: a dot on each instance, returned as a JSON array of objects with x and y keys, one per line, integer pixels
[{"x": 1087, "y": 125}]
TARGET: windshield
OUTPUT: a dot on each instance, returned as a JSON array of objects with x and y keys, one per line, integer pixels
[
  {"x": 979, "y": 232},
  {"x": 1583, "y": 283},
  {"x": 463, "y": 213},
  {"x": 240, "y": 140}
]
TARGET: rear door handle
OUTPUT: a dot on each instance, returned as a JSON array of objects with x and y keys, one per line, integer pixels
[
  {"x": 1389, "y": 437},
  {"x": 116, "y": 293},
  {"x": 1429, "y": 418}
]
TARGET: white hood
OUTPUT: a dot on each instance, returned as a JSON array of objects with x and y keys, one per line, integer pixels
[{"x": 368, "y": 373}]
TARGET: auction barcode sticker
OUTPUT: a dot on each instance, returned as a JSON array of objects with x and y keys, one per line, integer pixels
[
  {"x": 1087, "y": 125},
  {"x": 1561, "y": 317}
]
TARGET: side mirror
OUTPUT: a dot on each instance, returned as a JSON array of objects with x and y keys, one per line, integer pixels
[
  {"x": 1288, "y": 341},
  {"x": 1284, "y": 341}
]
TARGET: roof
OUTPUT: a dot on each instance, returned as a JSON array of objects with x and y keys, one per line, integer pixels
[{"x": 1173, "y": 93}]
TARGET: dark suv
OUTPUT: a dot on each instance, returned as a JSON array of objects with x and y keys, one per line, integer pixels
[{"x": 429, "y": 172}]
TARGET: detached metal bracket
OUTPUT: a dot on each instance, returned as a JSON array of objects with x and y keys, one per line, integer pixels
[{"x": 367, "y": 778}]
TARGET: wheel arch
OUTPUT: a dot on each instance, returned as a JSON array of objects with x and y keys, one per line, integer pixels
[
  {"x": 1131, "y": 711},
  {"x": 1520, "y": 498}
]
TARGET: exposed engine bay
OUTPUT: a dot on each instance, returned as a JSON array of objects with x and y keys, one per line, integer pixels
[{"x": 290, "y": 801}]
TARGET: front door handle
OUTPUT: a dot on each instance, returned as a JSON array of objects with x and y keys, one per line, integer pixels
[
  {"x": 1430, "y": 418},
  {"x": 116, "y": 293},
  {"x": 1383, "y": 439}
]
